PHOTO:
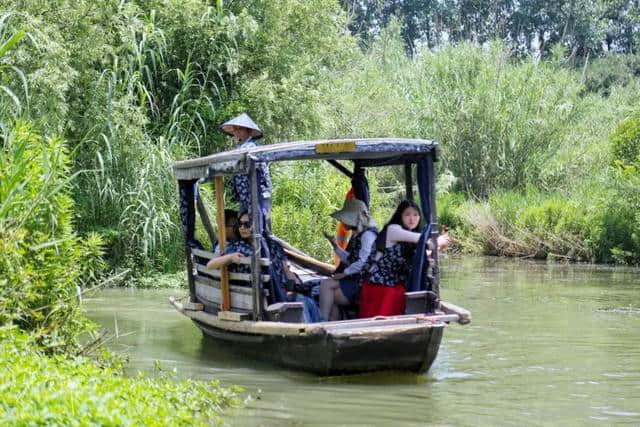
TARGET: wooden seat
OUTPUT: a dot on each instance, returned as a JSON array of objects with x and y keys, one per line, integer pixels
[{"x": 208, "y": 291}]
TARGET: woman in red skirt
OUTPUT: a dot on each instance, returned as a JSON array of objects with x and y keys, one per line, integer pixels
[{"x": 382, "y": 292}]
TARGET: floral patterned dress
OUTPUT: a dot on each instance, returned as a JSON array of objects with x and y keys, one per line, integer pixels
[{"x": 391, "y": 268}]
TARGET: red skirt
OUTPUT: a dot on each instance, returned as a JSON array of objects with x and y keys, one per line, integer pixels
[{"x": 379, "y": 300}]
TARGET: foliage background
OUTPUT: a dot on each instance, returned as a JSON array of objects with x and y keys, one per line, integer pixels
[
  {"x": 535, "y": 104},
  {"x": 518, "y": 100}
]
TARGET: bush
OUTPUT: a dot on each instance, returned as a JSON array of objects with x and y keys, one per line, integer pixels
[
  {"x": 44, "y": 263},
  {"x": 625, "y": 142},
  {"x": 40, "y": 390},
  {"x": 528, "y": 224},
  {"x": 450, "y": 209},
  {"x": 602, "y": 74}
]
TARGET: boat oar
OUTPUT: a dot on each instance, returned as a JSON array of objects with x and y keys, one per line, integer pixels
[{"x": 464, "y": 316}]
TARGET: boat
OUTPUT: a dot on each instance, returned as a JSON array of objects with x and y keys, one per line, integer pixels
[{"x": 238, "y": 311}]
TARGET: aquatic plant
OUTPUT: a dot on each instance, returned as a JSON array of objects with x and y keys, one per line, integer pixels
[{"x": 41, "y": 390}]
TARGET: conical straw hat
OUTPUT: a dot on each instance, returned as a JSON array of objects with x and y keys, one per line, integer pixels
[{"x": 243, "y": 120}]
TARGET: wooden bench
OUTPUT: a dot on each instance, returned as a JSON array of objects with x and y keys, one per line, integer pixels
[
  {"x": 416, "y": 302},
  {"x": 208, "y": 291}
]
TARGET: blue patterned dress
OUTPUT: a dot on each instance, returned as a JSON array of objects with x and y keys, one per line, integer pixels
[
  {"x": 245, "y": 249},
  {"x": 240, "y": 182}
]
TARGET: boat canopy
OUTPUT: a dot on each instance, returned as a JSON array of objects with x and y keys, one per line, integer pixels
[
  {"x": 369, "y": 152},
  {"x": 364, "y": 152}
]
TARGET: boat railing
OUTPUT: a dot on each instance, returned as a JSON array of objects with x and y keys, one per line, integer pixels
[{"x": 208, "y": 288}]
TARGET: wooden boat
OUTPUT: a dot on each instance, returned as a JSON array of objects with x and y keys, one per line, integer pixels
[{"x": 233, "y": 309}]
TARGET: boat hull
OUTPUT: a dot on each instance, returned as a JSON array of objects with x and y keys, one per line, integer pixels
[{"x": 335, "y": 352}]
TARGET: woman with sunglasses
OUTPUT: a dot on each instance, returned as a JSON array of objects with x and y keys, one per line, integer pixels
[
  {"x": 236, "y": 250},
  {"x": 241, "y": 249}
]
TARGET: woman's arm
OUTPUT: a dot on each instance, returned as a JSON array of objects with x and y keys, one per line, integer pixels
[
  {"x": 395, "y": 234},
  {"x": 219, "y": 261}
]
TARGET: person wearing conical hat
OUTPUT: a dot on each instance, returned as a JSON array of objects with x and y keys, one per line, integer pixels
[{"x": 245, "y": 133}]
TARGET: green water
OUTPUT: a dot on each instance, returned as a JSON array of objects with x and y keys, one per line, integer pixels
[{"x": 550, "y": 344}]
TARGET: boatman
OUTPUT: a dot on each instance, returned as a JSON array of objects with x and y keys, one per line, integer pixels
[{"x": 245, "y": 134}]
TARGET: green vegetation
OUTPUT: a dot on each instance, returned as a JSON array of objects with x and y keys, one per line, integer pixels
[
  {"x": 44, "y": 269},
  {"x": 536, "y": 106},
  {"x": 43, "y": 259},
  {"x": 133, "y": 86},
  {"x": 41, "y": 390}
]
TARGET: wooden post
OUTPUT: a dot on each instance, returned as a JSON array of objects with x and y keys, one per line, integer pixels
[
  {"x": 255, "y": 227},
  {"x": 408, "y": 181},
  {"x": 204, "y": 217},
  {"x": 222, "y": 239},
  {"x": 431, "y": 172}
]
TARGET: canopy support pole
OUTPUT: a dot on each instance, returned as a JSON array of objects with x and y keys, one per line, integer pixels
[
  {"x": 435, "y": 281},
  {"x": 255, "y": 226},
  {"x": 341, "y": 168},
  {"x": 204, "y": 217},
  {"x": 222, "y": 241},
  {"x": 408, "y": 181}
]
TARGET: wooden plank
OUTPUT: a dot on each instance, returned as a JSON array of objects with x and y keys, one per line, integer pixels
[
  {"x": 195, "y": 306},
  {"x": 341, "y": 168},
  {"x": 250, "y": 327},
  {"x": 256, "y": 282},
  {"x": 216, "y": 284},
  {"x": 207, "y": 254},
  {"x": 232, "y": 316},
  {"x": 222, "y": 239},
  {"x": 301, "y": 329},
  {"x": 322, "y": 267},
  {"x": 408, "y": 181},
  {"x": 237, "y": 300},
  {"x": 241, "y": 277}
]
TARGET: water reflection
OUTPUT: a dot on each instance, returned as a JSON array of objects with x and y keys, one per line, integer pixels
[{"x": 550, "y": 344}]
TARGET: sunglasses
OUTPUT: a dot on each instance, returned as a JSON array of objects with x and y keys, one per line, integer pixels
[{"x": 245, "y": 224}]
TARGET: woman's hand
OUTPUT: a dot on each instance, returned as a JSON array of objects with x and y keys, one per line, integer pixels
[
  {"x": 236, "y": 257},
  {"x": 338, "y": 276},
  {"x": 443, "y": 241}
]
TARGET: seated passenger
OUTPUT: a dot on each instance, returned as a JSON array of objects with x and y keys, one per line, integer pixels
[
  {"x": 344, "y": 285},
  {"x": 242, "y": 249},
  {"x": 230, "y": 228},
  {"x": 236, "y": 250},
  {"x": 389, "y": 266}
]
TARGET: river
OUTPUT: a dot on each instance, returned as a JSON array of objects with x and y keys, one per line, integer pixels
[{"x": 550, "y": 344}]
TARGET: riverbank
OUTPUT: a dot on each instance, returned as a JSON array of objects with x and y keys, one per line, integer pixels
[
  {"x": 55, "y": 370},
  {"x": 46, "y": 390}
]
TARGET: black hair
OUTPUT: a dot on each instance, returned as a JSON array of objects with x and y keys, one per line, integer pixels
[
  {"x": 243, "y": 211},
  {"x": 230, "y": 215},
  {"x": 396, "y": 218}
]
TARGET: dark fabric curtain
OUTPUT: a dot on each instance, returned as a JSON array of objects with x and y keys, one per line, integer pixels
[
  {"x": 360, "y": 184},
  {"x": 274, "y": 251},
  {"x": 187, "y": 209},
  {"x": 418, "y": 280},
  {"x": 269, "y": 248}
]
